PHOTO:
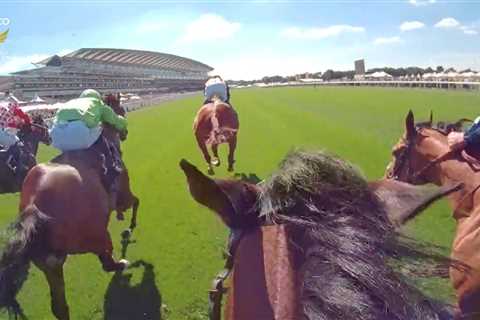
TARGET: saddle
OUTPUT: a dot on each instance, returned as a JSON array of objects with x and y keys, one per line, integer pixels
[{"x": 103, "y": 156}]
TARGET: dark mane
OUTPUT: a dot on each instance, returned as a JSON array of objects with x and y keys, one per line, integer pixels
[
  {"x": 443, "y": 127},
  {"x": 355, "y": 265}
]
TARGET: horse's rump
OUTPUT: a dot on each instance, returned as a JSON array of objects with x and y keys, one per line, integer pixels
[
  {"x": 216, "y": 122},
  {"x": 76, "y": 203}
]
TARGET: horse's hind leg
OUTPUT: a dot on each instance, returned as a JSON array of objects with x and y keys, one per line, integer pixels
[
  {"x": 52, "y": 267},
  {"x": 216, "y": 158},
  {"x": 206, "y": 155},
  {"x": 135, "y": 202},
  {"x": 232, "y": 145},
  {"x": 106, "y": 258}
]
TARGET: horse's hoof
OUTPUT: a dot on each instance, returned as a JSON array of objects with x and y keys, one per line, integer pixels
[
  {"x": 210, "y": 171},
  {"x": 230, "y": 169},
  {"x": 120, "y": 216},
  {"x": 216, "y": 162},
  {"x": 123, "y": 264},
  {"x": 126, "y": 233}
]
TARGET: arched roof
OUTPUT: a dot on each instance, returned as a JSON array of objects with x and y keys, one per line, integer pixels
[{"x": 136, "y": 57}]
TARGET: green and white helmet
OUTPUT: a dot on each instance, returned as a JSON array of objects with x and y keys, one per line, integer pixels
[{"x": 91, "y": 93}]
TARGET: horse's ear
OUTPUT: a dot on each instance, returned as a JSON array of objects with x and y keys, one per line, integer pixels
[
  {"x": 208, "y": 192},
  {"x": 404, "y": 201},
  {"x": 410, "y": 125}
]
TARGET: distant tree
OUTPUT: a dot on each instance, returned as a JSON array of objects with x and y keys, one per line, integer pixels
[
  {"x": 327, "y": 75},
  {"x": 439, "y": 69},
  {"x": 429, "y": 70},
  {"x": 450, "y": 70}
]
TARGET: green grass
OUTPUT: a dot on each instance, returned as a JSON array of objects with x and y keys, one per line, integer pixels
[{"x": 182, "y": 241}]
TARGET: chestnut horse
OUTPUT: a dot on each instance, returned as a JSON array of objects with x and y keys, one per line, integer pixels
[
  {"x": 64, "y": 209},
  {"x": 318, "y": 243},
  {"x": 422, "y": 156},
  {"x": 30, "y": 137},
  {"x": 125, "y": 197},
  {"x": 215, "y": 123}
]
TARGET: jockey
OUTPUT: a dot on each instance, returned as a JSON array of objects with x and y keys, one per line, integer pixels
[
  {"x": 12, "y": 119},
  {"x": 78, "y": 125},
  {"x": 216, "y": 86},
  {"x": 461, "y": 140}
]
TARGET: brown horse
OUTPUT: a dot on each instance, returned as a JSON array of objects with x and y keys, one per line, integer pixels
[
  {"x": 125, "y": 197},
  {"x": 30, "y": 136},
  {"x": 422, "y": 155},
  {"x": 64, "y": 209},
  {"x": 215, "y": 123},
  {"x": 318, "y": 243}
]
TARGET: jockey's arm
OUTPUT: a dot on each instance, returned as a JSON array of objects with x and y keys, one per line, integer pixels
[{"x": 110, "y": 117}]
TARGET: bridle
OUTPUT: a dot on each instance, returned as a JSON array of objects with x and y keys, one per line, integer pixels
[{"x": 403, "y": 160}]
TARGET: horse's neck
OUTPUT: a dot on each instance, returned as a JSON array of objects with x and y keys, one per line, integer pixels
[
  {"x": 454, "y": 171},
  {"x": 31, "y": 142}
]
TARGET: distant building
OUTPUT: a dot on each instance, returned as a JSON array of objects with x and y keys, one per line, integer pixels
[
  {"x": 108, "y": 70},
  {"x": 360, "y": 67}
]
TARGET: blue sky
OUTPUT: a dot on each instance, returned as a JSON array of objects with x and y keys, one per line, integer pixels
[{"x": 246, "y": 40}]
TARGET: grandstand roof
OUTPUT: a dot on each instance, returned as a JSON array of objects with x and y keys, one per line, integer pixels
[{"x": 133, "y": 57}]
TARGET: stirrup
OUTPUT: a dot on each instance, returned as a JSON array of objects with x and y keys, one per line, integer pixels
[{"x": 104, "y": 165}]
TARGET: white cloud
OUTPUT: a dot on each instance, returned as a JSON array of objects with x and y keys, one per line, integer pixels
[
  {"x": 447, "y": 23},
  {"x": 468, "y": 30},
  {"x": 17, "y": 63},
  {"x": 421, "y": 3},
  {"x": 209, "y": 27},
  {"x": 387, "y": 40},
  {"x": 320, "y": 33},
  {"x": 411, "y": 25}
]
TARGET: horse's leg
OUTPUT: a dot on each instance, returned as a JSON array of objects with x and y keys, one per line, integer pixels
[
  {"x": 134, "y": 203},
  {"x": 216, "y": 158},
  {"x": 106, "y": 258},
  {"x": 52, "y": 267},
  {"x": 206, "y": 155},
  {"x": 232, "y": 145}
]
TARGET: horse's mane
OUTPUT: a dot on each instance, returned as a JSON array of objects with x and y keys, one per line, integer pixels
[
  {"x": 443, "y": 127},
  {"x": 355, "y": 265}
]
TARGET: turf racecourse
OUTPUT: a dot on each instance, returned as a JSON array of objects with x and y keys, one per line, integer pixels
[{"x": 178, "y": 244}]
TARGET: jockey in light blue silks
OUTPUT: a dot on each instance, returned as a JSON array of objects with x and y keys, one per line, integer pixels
[
  {"x": 77, "y": 124},
  {"x": 215, "y": 86}
]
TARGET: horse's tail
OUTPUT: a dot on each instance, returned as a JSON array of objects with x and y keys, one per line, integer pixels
[
  {"x": 219, "y": 134},
  {"x": 15, "y": 257}
]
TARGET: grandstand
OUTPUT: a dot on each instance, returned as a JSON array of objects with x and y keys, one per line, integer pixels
[{"x": 109, "y": 70}]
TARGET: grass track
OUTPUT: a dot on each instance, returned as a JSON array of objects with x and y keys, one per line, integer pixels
[{"x": 183, "y": 241}]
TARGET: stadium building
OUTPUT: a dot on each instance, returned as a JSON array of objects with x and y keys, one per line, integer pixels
[{"x": 109, "y": 70}]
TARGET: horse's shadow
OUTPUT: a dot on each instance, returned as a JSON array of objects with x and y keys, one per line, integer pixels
[
  {"x": 248, "y": 177},
  {"x": 127, "y": 301}
]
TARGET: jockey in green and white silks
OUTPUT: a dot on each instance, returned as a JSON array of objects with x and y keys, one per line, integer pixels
[{"x": 77, "y": 124}]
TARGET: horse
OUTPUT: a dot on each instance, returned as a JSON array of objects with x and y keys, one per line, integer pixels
[
  {"x": 421, "y": 156},
  {"x": 64, "y": 209},
  {"x": 30, "y": 136},
  {"x": 125, "y": 197},
  {"x": 215, "y": 123},
  {"x": 319, "y": 242}
]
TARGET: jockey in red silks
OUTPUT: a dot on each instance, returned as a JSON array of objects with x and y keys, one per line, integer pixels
[
  {"x": 12, "y": 119},
  {"x": 215, "y": 86}
]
